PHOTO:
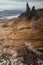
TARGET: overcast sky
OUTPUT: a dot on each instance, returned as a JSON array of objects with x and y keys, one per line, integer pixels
[{"x": 19, "y": 4}]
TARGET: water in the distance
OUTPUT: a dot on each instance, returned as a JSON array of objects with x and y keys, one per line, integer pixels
[
  {"x": 9, "y": 17},
  {"x": 14, "y": 16}
]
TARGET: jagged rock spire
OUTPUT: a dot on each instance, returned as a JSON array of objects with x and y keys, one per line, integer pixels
[
  {"x": 33, "y": 13},
  {"x": 27, "y": 10}
]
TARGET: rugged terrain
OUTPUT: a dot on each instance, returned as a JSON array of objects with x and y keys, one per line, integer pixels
[{"x": 20, "y": 31}]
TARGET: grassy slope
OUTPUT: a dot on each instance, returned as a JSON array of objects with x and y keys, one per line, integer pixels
[{"x": 21, "y": 31}]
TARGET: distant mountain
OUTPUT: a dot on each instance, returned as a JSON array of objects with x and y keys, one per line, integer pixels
[{"x": 10, "y": 12}]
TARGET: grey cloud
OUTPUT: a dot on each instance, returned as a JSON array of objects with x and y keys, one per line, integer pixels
[{"x": 25, "y": 0}]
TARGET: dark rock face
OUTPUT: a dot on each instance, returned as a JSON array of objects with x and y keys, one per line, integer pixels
[
  {"x": 23, "y": 56},
  {"x": 31, "y": 13},
  {"x": 30, "y": 58},
  {"x": 28, "y": 11}
]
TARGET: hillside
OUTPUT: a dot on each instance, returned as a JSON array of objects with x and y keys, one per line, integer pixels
[
  {"x": 19, "y": 31},
  {"x": 21, "y": 40}
]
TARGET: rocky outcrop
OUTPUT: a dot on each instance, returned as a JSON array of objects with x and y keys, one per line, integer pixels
[
  {"x": 31, "y": 13},
  {"x": 18, "y": 32},
  {"x": 23, "y": 55}
]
